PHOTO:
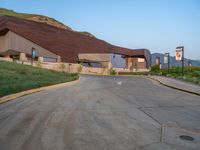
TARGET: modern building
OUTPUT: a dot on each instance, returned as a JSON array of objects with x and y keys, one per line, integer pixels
[{"x": 18, "y": 38}]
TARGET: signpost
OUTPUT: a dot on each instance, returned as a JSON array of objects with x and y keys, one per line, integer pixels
[
  {"x": 189, "y": 64},
  {"x": 180, "y": 56},
  {"x": 167, "y": 60},
  {"x": 157, "y": 60}
]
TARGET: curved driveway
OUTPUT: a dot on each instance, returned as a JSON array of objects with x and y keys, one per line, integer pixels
[{"x": 102, "y": 113}]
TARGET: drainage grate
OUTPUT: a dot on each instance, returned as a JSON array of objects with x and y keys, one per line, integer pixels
[{"x": 186, "y": 137}]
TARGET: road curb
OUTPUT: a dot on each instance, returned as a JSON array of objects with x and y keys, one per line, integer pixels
[
  {"x": 23, "y": 93},
  {"x": 173, "y": 87},
  {"x": 112, "y": 75}
]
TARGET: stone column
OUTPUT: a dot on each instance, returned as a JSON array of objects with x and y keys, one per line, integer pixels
[
  {"x": 40, "y": 59},
  {"x": 59, "y": 59},
  {"x": 109, "y": 64},
  {"x": 23, "y": 57}
]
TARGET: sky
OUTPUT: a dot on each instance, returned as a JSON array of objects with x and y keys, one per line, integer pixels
[{"x": 158, "y": 25}]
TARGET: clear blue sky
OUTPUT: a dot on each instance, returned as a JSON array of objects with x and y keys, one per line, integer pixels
[{"x": 159, "y": 25}]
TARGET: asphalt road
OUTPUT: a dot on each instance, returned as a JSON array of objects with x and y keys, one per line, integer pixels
[{"x": 102, "y": 113}]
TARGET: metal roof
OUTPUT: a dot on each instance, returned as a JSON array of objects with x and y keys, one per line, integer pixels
[{"x": 65, "y": 43}]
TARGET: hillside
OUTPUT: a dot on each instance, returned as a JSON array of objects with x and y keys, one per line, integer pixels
[
  {"x": 40, "y": 18},
  {"x": 173, "y": 62},
  {"x": 17, "y": 77}
]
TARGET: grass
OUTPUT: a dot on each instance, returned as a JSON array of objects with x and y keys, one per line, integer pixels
[
  {"x": 16, "y": 77},
  {"x": 4, "y": 11},
  {"x": 8, "y": 12},
  {"x": 191, "y": 74}
]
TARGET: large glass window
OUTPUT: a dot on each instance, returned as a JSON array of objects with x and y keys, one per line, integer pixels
[{"x": 118, "y": 61}]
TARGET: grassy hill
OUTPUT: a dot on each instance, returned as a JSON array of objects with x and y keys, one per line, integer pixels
[
  {"x": 40, "y": 18},
  {"x": 16, "y": 77}
]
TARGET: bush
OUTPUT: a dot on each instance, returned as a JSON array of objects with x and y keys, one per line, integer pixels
[
  {"x": 191, "y": 74},
  {"x": 196, "y": 74},
  {"x": 112, "y": 71},
  {"x": 155, "y": 68}
]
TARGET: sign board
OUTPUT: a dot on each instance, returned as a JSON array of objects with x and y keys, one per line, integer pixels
[
  {"x": 189, "y": 64},
  {"x": 166, "y": 57},
  {"x": 179, "y": 55},
  {"x": 33, "y": 53},
  {"x": 157, "y": 60}
]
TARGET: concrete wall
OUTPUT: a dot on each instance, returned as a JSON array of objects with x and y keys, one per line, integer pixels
[
  {"x": 64, "y": 67},
  {"x": 103, "y": 59},
  {"x": 12, "y": 41},
  {"x": 94, "y": 56},
  {"x": 93, "y": 70}
]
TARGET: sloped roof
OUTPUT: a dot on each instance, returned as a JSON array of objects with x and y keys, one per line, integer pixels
[{"x": 65, "y": 43}]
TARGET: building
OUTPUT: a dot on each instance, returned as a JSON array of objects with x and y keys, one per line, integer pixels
[{"x": 18, "y": 38}]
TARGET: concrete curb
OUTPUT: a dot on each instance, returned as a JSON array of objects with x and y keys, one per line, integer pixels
[
  {"x": 174, "y": 87},
  {"x": 23, "y": 93},
  {"x": 112, "y": 75}
]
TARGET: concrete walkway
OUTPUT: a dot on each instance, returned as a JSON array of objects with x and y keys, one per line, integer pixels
[{"x": 177, "y": 84}]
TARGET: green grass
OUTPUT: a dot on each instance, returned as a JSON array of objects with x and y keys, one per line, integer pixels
[
  {"x": 16, "y": 77},
  {"x": 191, "y": 74},
  {"x": 8, "y": 12}
]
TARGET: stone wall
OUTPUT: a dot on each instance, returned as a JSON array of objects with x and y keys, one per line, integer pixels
[
  {"x": 72, "y": 68},
  {"x": 94, "y": 70}
]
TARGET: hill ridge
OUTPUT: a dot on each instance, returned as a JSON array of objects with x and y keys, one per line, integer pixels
[{"x": 42, "y": 19}]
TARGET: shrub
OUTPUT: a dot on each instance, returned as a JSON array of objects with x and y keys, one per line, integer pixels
[
  {"x": 196, "y": 74},
  {"x": 155, "y": 68},
  {"x": 175, "y": 70},
  {"x": 112, "y": 71}
]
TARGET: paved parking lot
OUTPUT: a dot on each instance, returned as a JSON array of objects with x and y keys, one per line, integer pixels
[{"x": 102, "y": 113}]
